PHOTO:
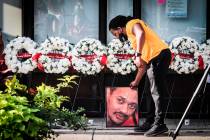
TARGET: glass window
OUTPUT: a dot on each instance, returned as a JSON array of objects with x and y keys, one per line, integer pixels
[
  {"x": 10, "y": 19},
  {"x": 117, "y": 7},
  {"x": 70, "y": 19},
  {"x": 176, "y": 18}
]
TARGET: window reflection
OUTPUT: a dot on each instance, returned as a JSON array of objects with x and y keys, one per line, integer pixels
[
  {"x": 71, "y": 19},
  {"x": 118, "y": 7},
  {"x": 194, "y": 25}
]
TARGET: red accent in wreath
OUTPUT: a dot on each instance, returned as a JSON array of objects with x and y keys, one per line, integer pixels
[
  {"x": 124, "y": 56},
  {"x": 103, "y": 60},
  {"x": 24, "y": 55},
  {"x": 89, "y": 57},
  {"x": 200, "y": 62},
  {"x": 36, "y": 56}
]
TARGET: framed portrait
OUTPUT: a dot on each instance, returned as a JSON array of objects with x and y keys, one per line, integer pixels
[{"x": 121, "y": 107}]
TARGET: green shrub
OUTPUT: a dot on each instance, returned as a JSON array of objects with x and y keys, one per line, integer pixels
[
  {"x": 22, "y": 118},
  {"x": 18, "y": 120}
]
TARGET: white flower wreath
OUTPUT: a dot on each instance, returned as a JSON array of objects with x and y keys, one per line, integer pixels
[
  {"x": 185, "y": 55},
  {"x": 88, "y": 56},
  {"x": 54, "y": 55},
  {"x": 119, "y": 59},
  {"x": 205, "y": 52},
  {"x": 18, "y": 55}
]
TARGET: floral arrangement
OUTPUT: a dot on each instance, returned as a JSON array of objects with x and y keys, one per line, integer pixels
[
  {"x": 205, "y": 52},
  {"x": 185, "y": 55},
  {"x": 54, "y": 55},
  {"x": 18, "y": 55},
  {"x": 119, "y": 58},
  {"x": 89, "y": 56}
]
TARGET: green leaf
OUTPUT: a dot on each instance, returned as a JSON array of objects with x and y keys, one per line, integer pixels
[{"x": 22, "y": 127}]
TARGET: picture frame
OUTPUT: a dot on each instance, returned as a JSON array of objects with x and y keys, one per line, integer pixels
[{"x": 121, "y": 107}]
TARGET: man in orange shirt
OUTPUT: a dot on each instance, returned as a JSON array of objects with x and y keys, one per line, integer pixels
[{"x": 153, "y": 57}]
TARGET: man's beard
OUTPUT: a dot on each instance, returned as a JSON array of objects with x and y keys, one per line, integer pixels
[
  {"x": 123, "y": 37},
  {"x": 113, "y": 123}
]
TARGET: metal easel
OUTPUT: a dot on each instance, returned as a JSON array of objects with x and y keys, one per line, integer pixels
[{"x": 202, "y": 81}]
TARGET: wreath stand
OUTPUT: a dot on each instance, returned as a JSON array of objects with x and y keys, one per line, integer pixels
[
  {"x": 98, "y": 78},
  {"x": 202, "y": 81}
]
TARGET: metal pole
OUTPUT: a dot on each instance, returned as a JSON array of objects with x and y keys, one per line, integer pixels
[
  {"x": 175, "y": 133},
  {"x": 77, "y": 90}
]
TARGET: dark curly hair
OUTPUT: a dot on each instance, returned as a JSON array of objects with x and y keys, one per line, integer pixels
[{"x": 119, "y": 21}]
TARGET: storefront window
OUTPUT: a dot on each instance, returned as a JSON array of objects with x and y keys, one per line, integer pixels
[
  {"x": 173, "y": 18},
  {"x": 117, "y": 7},
  {"x": 70, "y": 19},
  {"x": 10, "y": 19}
]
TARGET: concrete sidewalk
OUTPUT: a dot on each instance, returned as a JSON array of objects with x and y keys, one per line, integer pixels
[
  {"x": 124, "y": 137},
  {"x": 131, "y": 135},
  {"x": 97, "y": 130}
]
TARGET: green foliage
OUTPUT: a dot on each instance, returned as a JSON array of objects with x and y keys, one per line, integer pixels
[
  {"x": 47, "y": 97},
  {"x": 73, "y": 118},
  {"x": 23, "y": 120},
  {"x": 49, "y": 104},
  {"x": 64, "y": 117},
  {"x": 13, "y": 86},
  {"x": 66, "y": 81},
  {"x": 17, "y": 119}
]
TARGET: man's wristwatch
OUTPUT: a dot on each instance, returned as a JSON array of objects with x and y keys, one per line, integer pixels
[{"x": 137, "y": 54}]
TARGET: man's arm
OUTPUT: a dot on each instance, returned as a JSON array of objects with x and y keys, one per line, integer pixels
[
  {"x": 140, "y": 37},
  {"x": 139, "y": 75}
]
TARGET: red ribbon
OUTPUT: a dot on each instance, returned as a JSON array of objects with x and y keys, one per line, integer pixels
[
  {"x": 190, "y": 56},
  {"x": 36, "y": 56},
  {"x": 50, "y": 55},
  {"x": 56, "y": 55},
  {"x": 124, "y": 56},
  {"x": 23, "y": 55},
  {"x": 186, "y": 56},
  {"x": 89, "y": 57},
  {"x": 103, "y": 60},
  {"x": 40, "y": 67},
  {"x": 182, "y": 55},
  {"x": 3, "y": 66},
  {"x": 200, "y": 62}
]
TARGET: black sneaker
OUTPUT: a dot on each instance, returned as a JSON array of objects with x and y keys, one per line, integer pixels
[
  {"x": 144, "y": 127},
  {"x": 156, "y": 129}
]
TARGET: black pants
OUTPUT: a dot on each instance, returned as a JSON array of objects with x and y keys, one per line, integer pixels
[{"x": 155, "y": 86}]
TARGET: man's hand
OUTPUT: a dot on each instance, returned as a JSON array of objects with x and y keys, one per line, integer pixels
[{"x": 134, "y": 84}]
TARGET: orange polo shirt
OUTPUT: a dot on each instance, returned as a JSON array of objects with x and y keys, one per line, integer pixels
[{"x": 152, "y": 46}]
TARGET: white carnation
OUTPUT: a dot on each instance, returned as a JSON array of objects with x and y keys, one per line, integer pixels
[{"x": 183, "y": 48}]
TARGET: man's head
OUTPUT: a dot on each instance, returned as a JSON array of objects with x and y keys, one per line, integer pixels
[
  {"x": 117, "y": 27},
  {"x": 121, "y": 104}
]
